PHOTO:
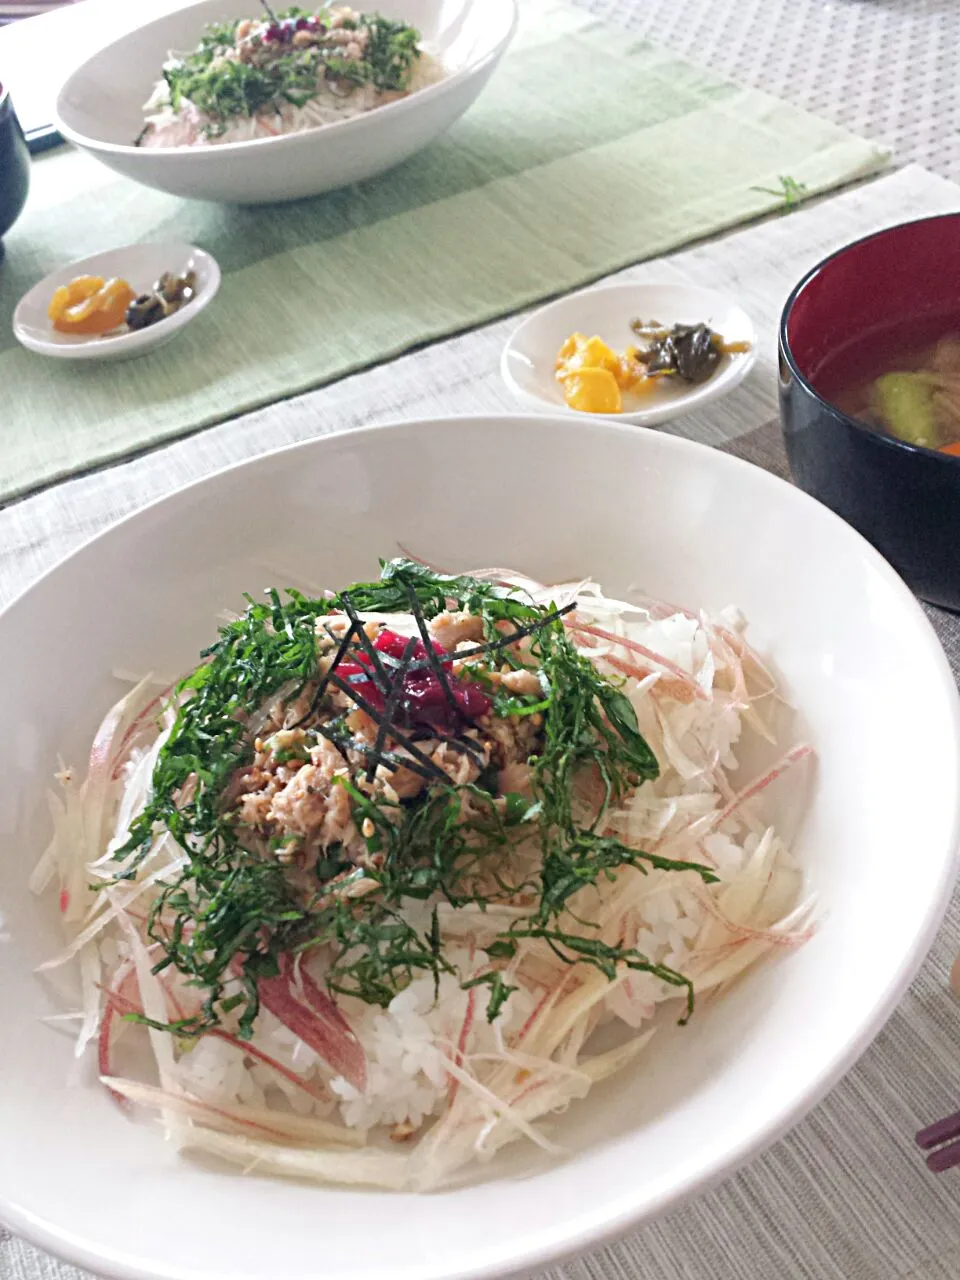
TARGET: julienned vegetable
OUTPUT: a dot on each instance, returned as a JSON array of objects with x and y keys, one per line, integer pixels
[{"x": 389, "y": 857}]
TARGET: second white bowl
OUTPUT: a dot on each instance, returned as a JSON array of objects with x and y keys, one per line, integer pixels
[{"x": 100, "y": 108}]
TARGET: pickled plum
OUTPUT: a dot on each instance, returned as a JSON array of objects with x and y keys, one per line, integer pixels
[{"x": 424, "y": 702}]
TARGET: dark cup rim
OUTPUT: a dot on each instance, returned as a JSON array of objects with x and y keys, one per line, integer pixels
[{"x": 879, "y": 437}]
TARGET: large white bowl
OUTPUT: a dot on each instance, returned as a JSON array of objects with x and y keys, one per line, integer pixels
[
  {"x": 100, "y": 107},
  {"x": 557, "y": 498}
]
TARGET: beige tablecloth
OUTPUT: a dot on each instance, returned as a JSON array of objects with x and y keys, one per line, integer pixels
[{"x": 846, "y": 1196}]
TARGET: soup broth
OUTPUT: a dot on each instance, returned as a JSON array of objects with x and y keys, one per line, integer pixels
[{"x": 904, "y": 383}]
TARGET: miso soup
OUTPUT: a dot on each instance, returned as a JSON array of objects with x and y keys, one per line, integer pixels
[{"x": 904, "y": 381}]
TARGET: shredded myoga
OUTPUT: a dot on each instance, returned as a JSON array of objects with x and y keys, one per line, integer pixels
[{"x": 352, "y": 900}]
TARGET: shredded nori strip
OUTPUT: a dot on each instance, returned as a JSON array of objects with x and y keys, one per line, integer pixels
[
  {"x": 378, "y": 675},
  {"x": 325, "y": 678},
  {"x": 435, "y": 664},
  {"x": 390, "y": 707},
  {"x": 344, "y": 742},
  {"x": 378, "y": 718}
]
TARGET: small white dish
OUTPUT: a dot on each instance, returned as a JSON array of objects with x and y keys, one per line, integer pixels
[
  {"x": 528, "y": 364},
  {"x": 140, "y": 265}
]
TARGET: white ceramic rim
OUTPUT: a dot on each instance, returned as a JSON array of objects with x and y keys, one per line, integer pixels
[
  {"x": 689, "y": 402},
  {"x": 613, "y": 1219},
  {"x": 234, "y": 148},
  {"x": 122, "y": 343}
]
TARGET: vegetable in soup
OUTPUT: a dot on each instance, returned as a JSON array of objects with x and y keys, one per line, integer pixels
[{"x": 908, "y": 387}]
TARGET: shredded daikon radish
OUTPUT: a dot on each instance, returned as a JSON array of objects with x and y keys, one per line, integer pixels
[{"x": 439, "y": 1076}]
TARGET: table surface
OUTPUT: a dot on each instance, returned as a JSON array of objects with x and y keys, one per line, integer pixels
[
  {"x": 887, "y": 69},
  {"x": 845, "y": 1196}
]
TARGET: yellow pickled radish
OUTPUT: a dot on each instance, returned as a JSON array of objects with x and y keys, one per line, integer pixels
[
  {"x": 592, "y": 391},
  {"x": 593, "y": 375}
]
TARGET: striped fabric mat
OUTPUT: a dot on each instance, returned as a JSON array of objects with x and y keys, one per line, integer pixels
[{"x": 586, "y": 153}]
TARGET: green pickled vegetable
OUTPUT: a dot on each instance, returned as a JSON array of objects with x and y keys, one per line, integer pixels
[{"x": 904, "y": 403}]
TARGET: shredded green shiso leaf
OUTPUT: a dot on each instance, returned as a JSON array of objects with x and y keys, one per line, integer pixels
[
  {"x": 225, "y": 89},
  {"x": 231, "y": 913}
]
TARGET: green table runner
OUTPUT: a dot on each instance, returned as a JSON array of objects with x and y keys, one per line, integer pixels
[{"x": 586, "y": 153}]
